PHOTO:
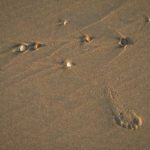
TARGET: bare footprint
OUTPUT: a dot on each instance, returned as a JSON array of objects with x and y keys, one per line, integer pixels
[{"x": 123, "y": 117}]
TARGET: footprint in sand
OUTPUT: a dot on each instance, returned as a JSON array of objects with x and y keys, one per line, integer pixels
[{"x": 123, "y": 117}]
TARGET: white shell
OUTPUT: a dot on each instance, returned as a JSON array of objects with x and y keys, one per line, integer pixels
[
  {"x": 66, "y": 22},
  {"x": 68, "y": 64},
  {"x": 22, "y": 48},
  {"x": 88, "y": 38}
]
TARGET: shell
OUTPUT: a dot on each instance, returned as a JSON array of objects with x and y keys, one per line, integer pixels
[
  {"x": 123, "y": 42},
  {"x": 88, "y": 38},
  {"x": 66, "y": 22},
  {"x": 68, "y": 63},
  {"x": 22, "y": 48},
  {"x": 37, "y": 45}
]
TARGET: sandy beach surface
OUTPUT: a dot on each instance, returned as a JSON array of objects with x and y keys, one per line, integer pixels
[{"x": 46, "y": 106}]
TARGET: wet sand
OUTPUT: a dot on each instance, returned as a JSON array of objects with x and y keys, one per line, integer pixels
[{"x": 45, "y": 106}]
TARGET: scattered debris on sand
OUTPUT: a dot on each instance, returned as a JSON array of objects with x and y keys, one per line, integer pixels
[{"x": 27, "y": 46}]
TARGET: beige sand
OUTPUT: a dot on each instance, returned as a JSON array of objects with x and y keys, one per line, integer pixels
[{"x": 46, "y": 107}]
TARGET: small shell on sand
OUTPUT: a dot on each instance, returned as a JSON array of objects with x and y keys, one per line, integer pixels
[
  {"x": 38, "y": 45},
  {"x": 63, "y": 22},
  {"x": 22, "y": 48},
  {"x": 123, "y": 42},
  {"x": 68, "y": 63},
  {"x": 87, "y": 38},
  {"x": 66, "y": 22},
  {"x": 29, "y": 46}
]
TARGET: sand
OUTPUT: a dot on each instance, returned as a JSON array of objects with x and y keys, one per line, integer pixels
[{"x": 46, "y": 106}]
